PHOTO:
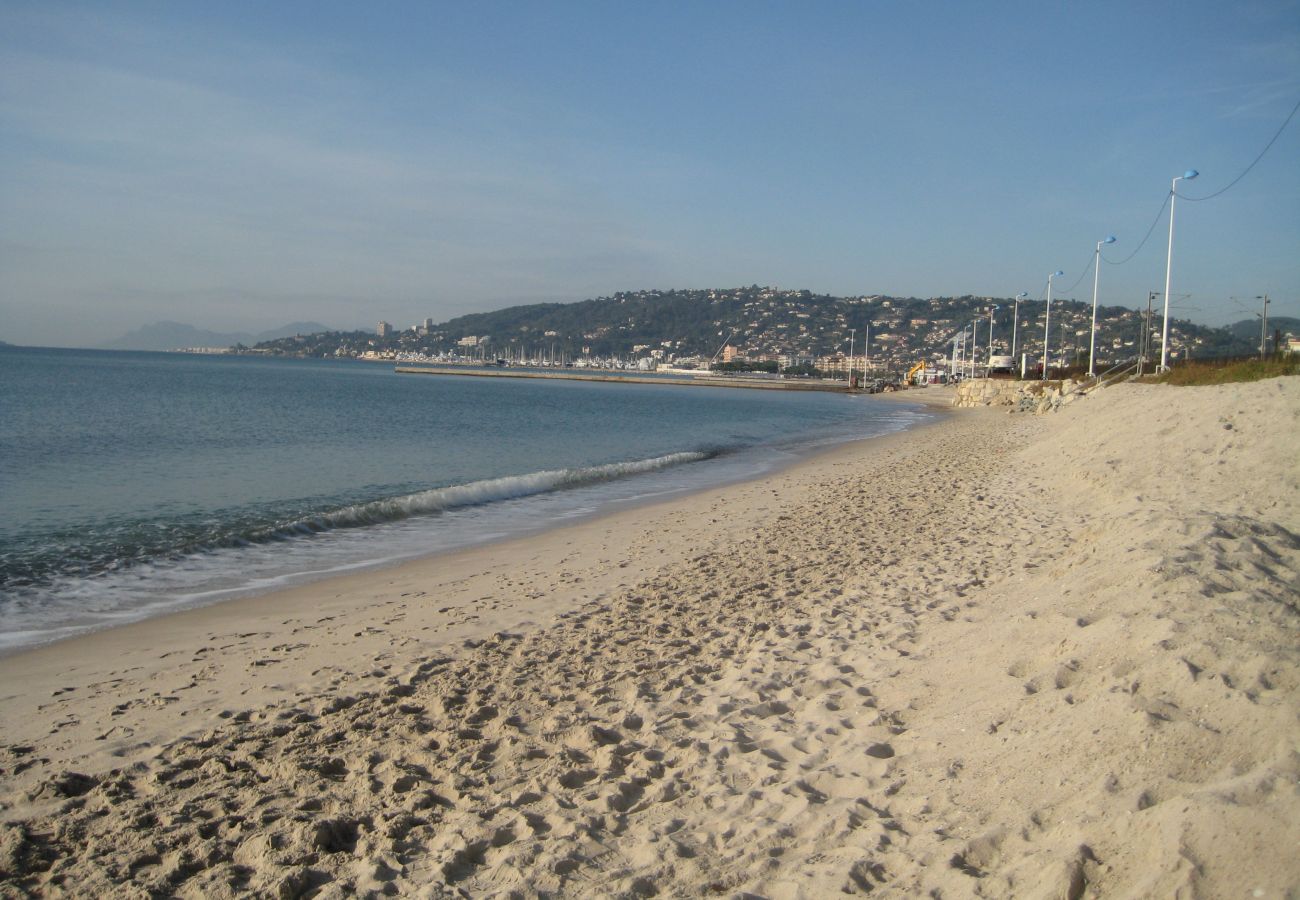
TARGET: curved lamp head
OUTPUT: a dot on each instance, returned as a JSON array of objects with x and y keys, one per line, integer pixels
[
  {"x": 1110, "y": 239},
  {"x": 1057, "y": 274},
  {"x": 1190, "y": 174}
]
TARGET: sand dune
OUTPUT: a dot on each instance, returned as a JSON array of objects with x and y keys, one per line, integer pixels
[{"x": 1005, "y": 655}]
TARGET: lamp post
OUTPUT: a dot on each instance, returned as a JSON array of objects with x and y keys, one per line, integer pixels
[
  {"x": 1169, "y": 266},
  {"x": 1047, "y": 324},
  {"x": 989, "y": 369},
  {"x": 1096, "y": 275},
  {"x": 853, "y": 332},
  {"x": 1015, "y": 324}
]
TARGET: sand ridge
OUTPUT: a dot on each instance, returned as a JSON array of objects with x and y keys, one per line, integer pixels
[{"x": 1003, "y": 656}]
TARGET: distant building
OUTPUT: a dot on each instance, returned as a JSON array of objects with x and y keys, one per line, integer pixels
[{"x": 383, "y": 329}]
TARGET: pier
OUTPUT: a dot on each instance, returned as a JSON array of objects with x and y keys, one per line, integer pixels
[{"x": 703, "y": 381}]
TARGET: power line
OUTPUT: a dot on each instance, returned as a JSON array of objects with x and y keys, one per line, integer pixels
[
  {"x": 1082, "y": 275},
  {"x": 1154, "y": 222},
  {"x": 1252, "y": 165},
  {"x": 1168, "y": 196}
]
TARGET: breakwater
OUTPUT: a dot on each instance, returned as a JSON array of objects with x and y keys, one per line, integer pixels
[{"x": 708, "y": 381}]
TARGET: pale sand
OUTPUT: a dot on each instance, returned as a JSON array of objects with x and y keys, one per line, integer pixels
[{"x": 1000, "y": 656}]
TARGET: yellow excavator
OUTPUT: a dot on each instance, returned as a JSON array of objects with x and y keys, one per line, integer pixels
[{"x": 914, "y": 371}]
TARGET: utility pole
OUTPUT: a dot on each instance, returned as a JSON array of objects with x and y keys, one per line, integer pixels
[
  {"x": 1144, "y": 344},
  {"x": 1263, "y": 328}
]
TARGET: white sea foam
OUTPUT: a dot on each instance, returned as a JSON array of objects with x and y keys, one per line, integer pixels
[
  {"x": 235, "y": 558},
  {"x": 477, "y": 493}
]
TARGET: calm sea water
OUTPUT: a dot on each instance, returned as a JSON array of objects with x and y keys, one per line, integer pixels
[{"x": 135, "y": 483}]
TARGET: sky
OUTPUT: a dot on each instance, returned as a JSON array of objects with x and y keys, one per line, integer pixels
[{"x": 241, "y": 165}]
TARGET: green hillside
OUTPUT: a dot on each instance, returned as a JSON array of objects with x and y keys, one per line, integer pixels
[{"x": 767, "y": 322}]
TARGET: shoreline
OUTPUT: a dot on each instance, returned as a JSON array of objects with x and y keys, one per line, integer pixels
[
  {"x": 42, "y": 669},
  {"x": 935, "y": 404},
  {"x": 1003, "y": 648}
]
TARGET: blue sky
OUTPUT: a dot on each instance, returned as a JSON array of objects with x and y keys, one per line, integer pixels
[{"x": 242, "y": 165}]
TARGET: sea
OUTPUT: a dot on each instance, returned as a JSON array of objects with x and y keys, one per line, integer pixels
[{"x": 134, "y": 484}]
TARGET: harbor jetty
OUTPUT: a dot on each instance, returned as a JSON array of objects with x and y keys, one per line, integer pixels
[{"x": 703, "y": 380}]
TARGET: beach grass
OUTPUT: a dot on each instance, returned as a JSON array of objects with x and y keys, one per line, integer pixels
[{"x": 1227, "y": 371}]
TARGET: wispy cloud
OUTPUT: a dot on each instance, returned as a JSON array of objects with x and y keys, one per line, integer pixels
[{"x": 150, "y": 174}]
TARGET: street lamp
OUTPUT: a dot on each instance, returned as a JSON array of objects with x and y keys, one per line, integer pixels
[
  {"x": 853, "y": 333},
  {"x": 1169, "y": 265},
  {"x": 1047, "y": 324},
  {"x": 1096, "y": 274},
  {"x": 989, "y": 369},
  {"x": 1015, "y": 324}
]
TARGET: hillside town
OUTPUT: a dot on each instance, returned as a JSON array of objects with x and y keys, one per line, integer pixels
[{"x": 770, "y": 329}]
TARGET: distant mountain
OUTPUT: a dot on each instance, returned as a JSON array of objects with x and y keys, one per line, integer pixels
[
  {"x": 175, "y": 335},
  {"x": 1248, "y": 329}
]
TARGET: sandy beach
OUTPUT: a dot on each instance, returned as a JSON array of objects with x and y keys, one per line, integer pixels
[{"x": 1000, "y": 655}]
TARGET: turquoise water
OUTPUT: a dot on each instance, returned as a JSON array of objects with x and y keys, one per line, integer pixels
[{"x": 134, "y": 483}]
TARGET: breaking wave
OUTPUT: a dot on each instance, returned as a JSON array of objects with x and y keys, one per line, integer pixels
[
  {"x": 125, "y": 545},
  {"x": 475, "y": 493}
]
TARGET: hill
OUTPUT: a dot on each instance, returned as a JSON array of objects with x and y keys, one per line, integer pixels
[
  {"x": 766, "y": 323},
  {"x": 1248, "y": 329},
  {"x": 176, "y": 335}
]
